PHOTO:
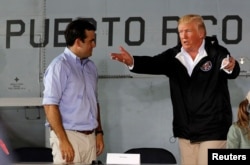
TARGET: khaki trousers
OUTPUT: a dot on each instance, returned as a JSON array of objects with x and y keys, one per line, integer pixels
[
  {"x": 84, "y": 147},
  {"x": 197, "y": 153}
]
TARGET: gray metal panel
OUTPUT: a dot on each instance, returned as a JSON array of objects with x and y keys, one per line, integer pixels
[{"x": 135, "y": 112}]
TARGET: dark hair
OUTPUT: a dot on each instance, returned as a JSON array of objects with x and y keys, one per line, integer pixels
[{"x": 76, "y": 29}]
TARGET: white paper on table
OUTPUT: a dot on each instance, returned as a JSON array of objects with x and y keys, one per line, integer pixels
[{"x": 123, "y": 158}]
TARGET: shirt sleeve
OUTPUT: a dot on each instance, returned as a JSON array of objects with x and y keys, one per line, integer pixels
[
  {"x": 55, "y": 79},
  {"x": 233, "y": 137}
]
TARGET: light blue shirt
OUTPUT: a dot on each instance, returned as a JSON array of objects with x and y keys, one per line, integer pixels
[{"x": 71, "y": 84}]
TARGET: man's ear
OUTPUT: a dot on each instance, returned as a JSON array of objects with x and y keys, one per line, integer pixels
[
  {"x": 78, "y": 42},
  {"x": 202, "y": 34}
]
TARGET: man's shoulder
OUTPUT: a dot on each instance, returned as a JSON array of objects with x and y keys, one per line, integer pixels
[
  {"x": 60, "y": 62},
  {"x": 211, "y": 40},
  {"x": 174, "y": 50},
  {"x": 212, "y": 46}
]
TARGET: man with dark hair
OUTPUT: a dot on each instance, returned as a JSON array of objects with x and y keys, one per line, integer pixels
[{"x": 70, "y": 98}]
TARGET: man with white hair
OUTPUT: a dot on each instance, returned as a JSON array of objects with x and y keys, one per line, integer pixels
[{"x": 198, "y": 69}]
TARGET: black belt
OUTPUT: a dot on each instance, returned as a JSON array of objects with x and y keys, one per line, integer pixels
[{"x": 87, "y": 132}]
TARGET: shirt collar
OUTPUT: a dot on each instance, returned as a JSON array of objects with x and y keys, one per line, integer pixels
[
  {"x": 201, "y": 52},
  {"x": 75, "y": 57}
]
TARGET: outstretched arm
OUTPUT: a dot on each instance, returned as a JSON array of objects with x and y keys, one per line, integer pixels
[{"x": 124, "y": 57}]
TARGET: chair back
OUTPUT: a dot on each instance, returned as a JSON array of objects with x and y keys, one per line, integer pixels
[
  {"x": 154, "y": 155},
  {"x": 33, "y": 154}
]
